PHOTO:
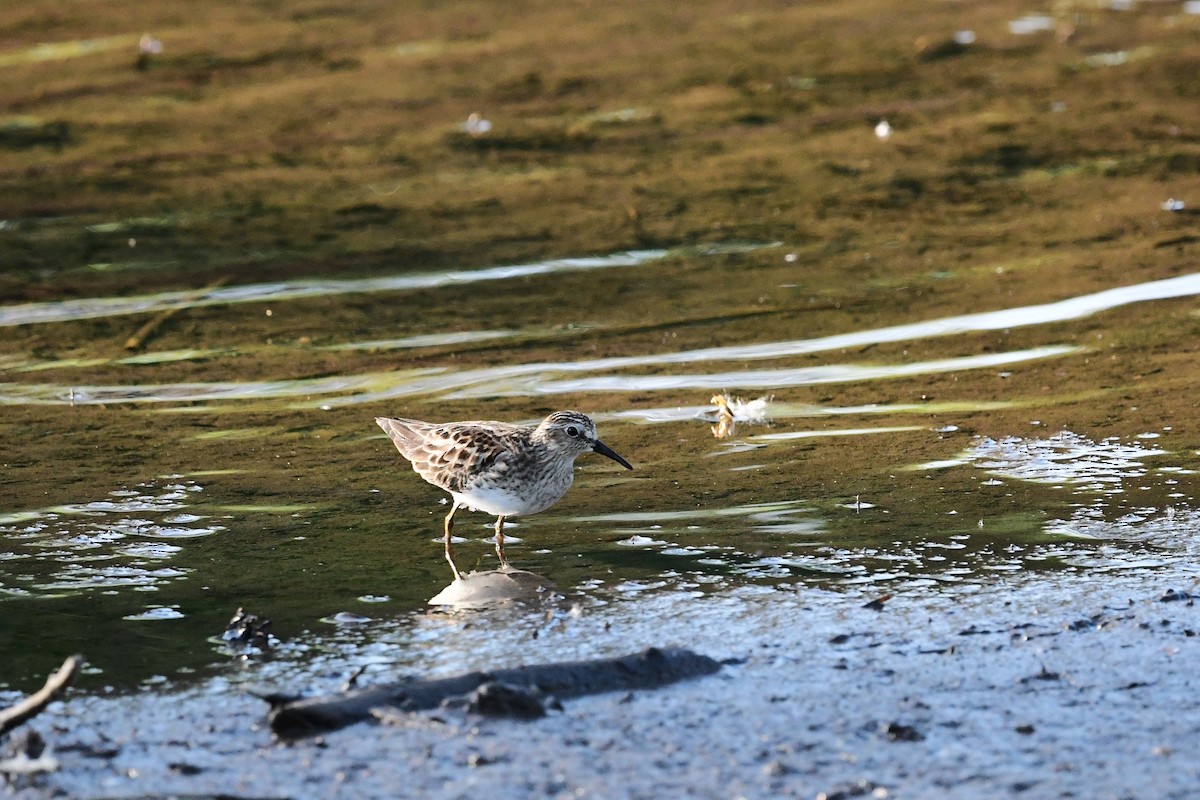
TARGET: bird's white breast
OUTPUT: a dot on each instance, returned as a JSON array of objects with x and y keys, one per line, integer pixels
[{"x": 502, "y": 503}]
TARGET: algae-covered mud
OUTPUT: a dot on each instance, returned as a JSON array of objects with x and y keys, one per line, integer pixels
[{"x": 938, "y": 262}]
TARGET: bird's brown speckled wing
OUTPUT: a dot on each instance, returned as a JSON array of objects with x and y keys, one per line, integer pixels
[{"x": 454, "y": 455}]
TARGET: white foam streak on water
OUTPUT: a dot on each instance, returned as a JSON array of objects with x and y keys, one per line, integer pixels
[
  {"x": 792, "y": 410},
  {"x": 90, "y": 308},
  {"x": 52, "y": 394},
  {"x": 445, "y": 339},
  {"x": 758, "y": 379},
  {"x": 1072, "y": 308},
  {"x": 539, "y": 378},
  {"x": 1061, "y": 311},
  {"x": 425, "y": 340},
  {"x": 759, "y": 511},
  {"x": 524, "y": 379},
  {"x": 791, "y": 435},
  {"x": 1172, "y": 530},
  {"x": 57, "y": 51}
]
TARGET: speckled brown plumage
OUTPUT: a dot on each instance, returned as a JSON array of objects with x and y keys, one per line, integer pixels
[{"x": 497, "y": 467}]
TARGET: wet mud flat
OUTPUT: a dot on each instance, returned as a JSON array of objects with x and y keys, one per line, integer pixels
[{"x": 1054, "y": 686}]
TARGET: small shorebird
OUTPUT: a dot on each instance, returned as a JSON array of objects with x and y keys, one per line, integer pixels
[{"x": 501, "y": 469}]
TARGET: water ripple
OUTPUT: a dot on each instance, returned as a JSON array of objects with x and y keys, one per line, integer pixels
[
  {"x": 1064, "y": 458},
  {"x": 756, "y": 379},
  {"x": 122, "y": 541},
  {"x": 522, "y": 379},
  {"x": 91, "y": 308}
]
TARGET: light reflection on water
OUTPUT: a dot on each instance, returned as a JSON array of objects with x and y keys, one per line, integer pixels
[
  {"x": 91, "y": 308},
  {"x": 808, "y": 538},
  {"x": 779, "y": 411},
  {"x": 138, "y": 539},
  {"x": 536, "y": 383},
  {"x": 1087, "y": 466},
  {"x": 1098, "y": 536},
  {"x": 130, "y": 539},
  {"x": 126, "y": 541},
  {"x": 417, "y": 342},
  {"x": 1065, "y": 458},
  {"x": 53, "y": 394},
  {"x": 525, "y": 379},
  {"x": 793, "y": 435},
  {"x": 545, "y": 378}
]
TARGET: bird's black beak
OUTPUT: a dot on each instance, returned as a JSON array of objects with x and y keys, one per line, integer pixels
[{"x": 604, "y": 450}]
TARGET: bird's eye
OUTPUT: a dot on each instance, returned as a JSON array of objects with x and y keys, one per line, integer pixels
[{"x": 572, "y": 430}]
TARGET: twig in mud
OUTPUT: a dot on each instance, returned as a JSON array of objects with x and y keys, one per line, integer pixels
[
  {"x": 143, "y": 333},
  {"x": 352, "y": 681},
  {"x": 31, "y": 706}
]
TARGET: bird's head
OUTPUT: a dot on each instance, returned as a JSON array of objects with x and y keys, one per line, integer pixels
[{"x": 574, "y": 433}]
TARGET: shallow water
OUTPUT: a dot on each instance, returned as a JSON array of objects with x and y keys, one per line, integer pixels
[
  {"x": 965, "y": 348},
  {"x": 132, "y": 535}
]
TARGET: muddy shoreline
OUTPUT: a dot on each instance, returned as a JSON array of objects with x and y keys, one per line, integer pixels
[{"x": 1052, "y": 686}]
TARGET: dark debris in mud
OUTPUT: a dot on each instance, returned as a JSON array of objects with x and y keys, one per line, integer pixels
[
  {"x": 1174, "y": 596},
  {"x": 850, "y": 791},
  {"x": 245, "y": 633},
  {"x": 899, "y": 732},
  {"x": 878, "y": 603}
]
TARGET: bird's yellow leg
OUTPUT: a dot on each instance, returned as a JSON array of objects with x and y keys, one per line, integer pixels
[
  {"x": 500, "y": 541},
  {"x": 449, "y": 543}
]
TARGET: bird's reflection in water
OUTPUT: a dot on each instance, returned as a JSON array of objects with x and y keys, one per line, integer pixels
[{"x": 495, "y": 587}]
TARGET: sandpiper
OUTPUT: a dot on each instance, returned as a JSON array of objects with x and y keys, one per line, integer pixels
[{"x": 495, "y": 467}]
